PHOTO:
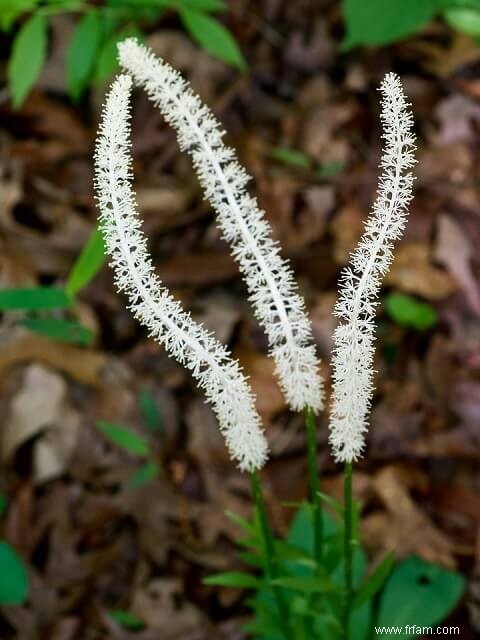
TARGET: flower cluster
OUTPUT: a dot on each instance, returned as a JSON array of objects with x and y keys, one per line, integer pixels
[
  {"x": 361, "y": 279},
  {"x": 191, "y": 344},
  {"x": 270, "y": 282}
]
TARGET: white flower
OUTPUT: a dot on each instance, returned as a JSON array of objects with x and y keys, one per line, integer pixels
[
  {"x": 269, "y": 278},
  {"x": 361, "y": 280},
  {"x": 195, "y": 348}
]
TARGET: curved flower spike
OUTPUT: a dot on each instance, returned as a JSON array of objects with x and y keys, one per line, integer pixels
[
  {"x": 193, "y": 346},
  {"x": 360, "y": 281},
  {"x": 270, "y": 282}
]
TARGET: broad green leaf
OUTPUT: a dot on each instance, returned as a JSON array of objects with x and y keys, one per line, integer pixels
[
  {"x": 124, "y": 438},
  {"x": 376, "y": 22},
  {"x": 33, "y": 299},
  {"x": 127, "y": 619},
  {"x": 308, "y": 584},
  {"x": 291, "y": 157},
  {"x": 13, "y": 576},
  {"x": 375, "y": 582},
  {"x": 144, "y": 475},
  {"x": 10, "y": 10},
  {"x": 87, "y": 265},
  {"x": 149, "y": 410},
  {"x": 27, "y": 58},
  {"x": 107, "y": 62},
  {"x": 234, "y": 579},
  {"x": 464, "y": 19},
  {"x": 82, "y": 52},
  {"x": 406, "y": 311},
  {"x": 59, "y": 329},
  {"x": 419, "y": 593},
  {"x": 213, "y": 37}
]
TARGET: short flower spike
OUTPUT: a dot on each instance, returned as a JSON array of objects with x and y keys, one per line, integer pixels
[
  {"x": 360, "y": 281},
  {"x": 191, "y": 344}
]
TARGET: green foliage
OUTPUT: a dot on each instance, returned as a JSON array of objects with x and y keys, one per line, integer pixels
[
  {"x": 144, "y": 475},
  {"x": 13, "y": 577},
  {"x": 124, "y": 438},
  {"x": 33, "y": 299},
  {"x": 409, "y": 312},
  {"x": 213, "y": 37},
  {"x": 290, "y": 157},
  {"x": 315, "y": 594},
  {"x": 89, "y": 262},
  {"x": 421, "y": 592},
  {"x": 28, "y": 56},
  {"x": 149, "y": 410},
  {"x": 92, "y": 54},
  {"x": 127, "y": 619},
  {"x": 59, "y": 329},
  {"x": 380, "y": 22}
]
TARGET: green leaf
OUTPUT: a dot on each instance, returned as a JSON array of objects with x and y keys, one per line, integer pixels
[
  {"x": 374, "y": 582},
  {"x": 33, "y": 299},
  {"x": 419, "y": 593},
  {"x": 330, "y": 169},
  {"x": 144, "y": 475},
  {"x": 127, "y": 619},
  {"x": 200, "y": 5},
  {"x": 59, "y": 329},
  {"x": 406, "y": 311},
  {"x": 3, "y": 504},
  {"x": 149, "y": 410},
  {"x": 308, "y": 584},
  {"x": 464, "y": 19},
  {"x": 10, "y": 10},
  {"x": 82, "y": 52},
  {"x": 376, "y": 22},
  {"x": 124, "y": 438},
  {"x": 291, "y": 157},
  {"x": 87, "y": 265},
  {"x": 234, "y": 579},
  {"x": 241, "y": 522},
  {"x": 13, "y": 577},
  {"x": 213, "y": 37},
  {"x": 27, "y": 58},
  {"x": 107, "y": 62}
]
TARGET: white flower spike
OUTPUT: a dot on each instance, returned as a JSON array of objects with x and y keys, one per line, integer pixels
[
  {"x": 193, "y": 346},
  {"x": 360, "y": 281},
  {"x": 270, "y": 282}
]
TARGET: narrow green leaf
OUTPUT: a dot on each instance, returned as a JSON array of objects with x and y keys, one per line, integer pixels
[
  {"x": 213, "y": 37},
  {"x": 199, "y": 5},
  {"x": 27, "y": 58},
  {"x": 82, "y": 52},
  {"x": 330, "y": 169},
  {"x": 33, "y": 299},
  {"x": 291, "y": 157},
  {"x": 332, "y": 503},
  {"x": 375, "y": 582},
  {"x": 375, "y": 22},
  {"x": 308, "y": 584},
  {"x": 149, "y": 410},
  {"x": 464, "y": 19},
  {"x": 234, "y": 579},
  {"x": 419, "y": 593},
  {"x": 3, "y": 504},
  {"x": 10, "y": 10},
  {"x": 127, "y": 619},
  {"x": 13, "y": 576},
  {"x": 144, "y": 475},
  {"x": 124, "y": 438},
  {"x": 59, "y": 329},
  {"x": 87, "y": 265},
  {"x": 241, "y": 522},
  {"x": 406, "y": 311}
]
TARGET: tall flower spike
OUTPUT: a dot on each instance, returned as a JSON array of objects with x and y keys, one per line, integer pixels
[
  {"x": 360, "y": 281},
  {"x": 270, "y": 281},
  {"x": 209, "y": 362}
]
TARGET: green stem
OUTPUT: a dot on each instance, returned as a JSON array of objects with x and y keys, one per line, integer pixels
[
  {"x": 349, "y": 544},
  {"x": 270, "y": 554},
  {"x": 314, "y": 483}
]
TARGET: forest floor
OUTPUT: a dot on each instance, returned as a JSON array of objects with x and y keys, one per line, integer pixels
[{"x": 304, "y": 120}]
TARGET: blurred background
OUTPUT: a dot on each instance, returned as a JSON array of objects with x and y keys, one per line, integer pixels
[{"x": 114, "y": 477}]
